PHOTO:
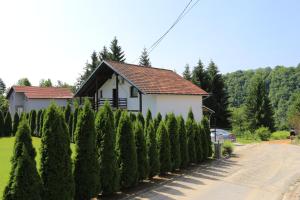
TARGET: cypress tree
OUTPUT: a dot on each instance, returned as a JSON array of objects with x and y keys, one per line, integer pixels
[
  {"x": 132, "y": 116},
  {"x": 141, "y": 119},
  {"x": 106, "y": 145},
  {"x": 26, "y": 182},
  {"x": 23, "y": 138},
  {"x": 206, "y": 132},
  {"x": 67, "y": 112},
  {"x": 157, "y": 121},
  {"x": 75, "y": 116},
  {"x": 8, "y": 125},
  {"x": 191, "y": 115},
  {"x": 164, "y": 150},
  {"x": 32, "y": 121},
  {"x": 117, "y": 115},
  {"x": 191, "y": 140},
  {"x": 1, "y": 124},
  {"x": 174, "y": 141},
  {"x": 56, "y": 164},
  {"x": 198, "y": 143},
  {"x": 38, "y": 121},
  {"x": 86, "y": 166},
  {"x": 141, "y": 150},
  {"x": 70, "y": 127},
  {"x": 15, "y": 124},
  {"x": 41, "y": 123},
  {"x": 148, "y": 118},
  {"x": 126, "y": 151},
  {"x": 184, "y": 153},
  {"x": 152, "y": 150}
]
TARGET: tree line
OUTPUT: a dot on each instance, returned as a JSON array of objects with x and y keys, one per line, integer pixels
[{"x": 113, "y": 151}]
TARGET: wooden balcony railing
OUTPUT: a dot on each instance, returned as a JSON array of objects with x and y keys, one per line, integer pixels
[{"x": 122, "y": 102}]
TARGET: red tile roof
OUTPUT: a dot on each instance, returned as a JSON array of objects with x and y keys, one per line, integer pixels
[
  {"x": 152, "y": 80},
  {"x": 33, "y": 92}
]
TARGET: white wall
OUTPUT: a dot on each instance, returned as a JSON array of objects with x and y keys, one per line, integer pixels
[{"x": 36, "y": 104}]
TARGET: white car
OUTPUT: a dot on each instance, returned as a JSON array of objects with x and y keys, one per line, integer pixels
[{"x": 221, "y": 135}]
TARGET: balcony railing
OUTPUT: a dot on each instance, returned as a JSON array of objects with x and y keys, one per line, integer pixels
[{"x": 122, "y": 102}]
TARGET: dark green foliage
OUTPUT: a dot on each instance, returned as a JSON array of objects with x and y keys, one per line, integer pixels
[
  {"x": 164, "y": 149},
  {"x": 3, "y": 104},
  {"x": 38, "y": 121},
  {"x": 184, "y": 153},
  {"x": 144, "y": 59},
  {"x": 1, "y": 125},
  {"x": 199, "y": 76},
  {"x": 187, "y": 73},
  {"x": 116, "y": 53},
  {"x": 104, "y": 55},
  {"x": 24, "y": 82},
  {"x": 148, "y": 118},
  {"x": 258, "y": 109},
  {"x": 46, "y": 83},
  {"x": 141, "y": 119},
  {"x": 15, "y": 124},
  {"x": 198, "y": 143},
  {"x": 106, "y": 144},
  {"x": 70, "y": 127},
  {"x": 191, "y": 115},
  {"x": 67, "y": 113},
  {"x": 117, "y": 115},
  {"x": 218, "y": 101},
  {"x": 141, "y": 150},
  {"x": 86, "y": 165},
  {"x": 26, "y": 183},
  {"x": 23, "y": 138},
  {"x": 132, "y": 116},
  {"x": 56, "y": 164},
  {"x": 2, "y": 87},
  {"x": 126, "y": 151},
  {"x": 7, "y": 125},
  {"x": 191, "y": 140},
  {"x": 75, "y": 116},
  {"x": 206, "y": 133},
  {"x": 152, "y": 150},
  {"x": 174, "y": 141},
  {"x": 157, "y": 121},
  {"x": 32, "y": 121},
  {"x": 41, "y": 123}
]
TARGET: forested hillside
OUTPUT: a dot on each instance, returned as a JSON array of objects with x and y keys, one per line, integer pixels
[{"x": 281, "y": 82}]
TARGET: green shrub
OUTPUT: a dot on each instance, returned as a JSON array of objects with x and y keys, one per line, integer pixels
[
  {"x": 7, "y": 125},
  {"x": 227, "y": 147},
  {"x": 206, "y": 130},
  {"x": 264, "y": 133},
  {"x": 156, "y": 121},
  {"x": 280, "y": 135},
  {"x": 1, "y": 124},
  {"x": 32, "y": 121},
  {"x": 164, "y": 149},
  {"x": 106, "y": 149},
  {"x": 126, "y": 151},
  {"x": 15, "y": 124},
  {"x": 198, "y": 143},
  {"x": 148, "y": 118},
  {"x": 191, "y": 140},
  {"x": 184, "y": 153},
  {"x": 152, "y": 151},
  {"x": 38, "y": 122},
  {"x": 117, "y": 115},
  {"x": 140, "y": 118}
]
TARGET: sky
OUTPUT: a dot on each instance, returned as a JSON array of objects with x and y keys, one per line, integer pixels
[{"x": 55, "y": 38}]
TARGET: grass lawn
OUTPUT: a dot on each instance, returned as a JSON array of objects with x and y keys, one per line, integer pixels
[{"x": 6, "y": 150}]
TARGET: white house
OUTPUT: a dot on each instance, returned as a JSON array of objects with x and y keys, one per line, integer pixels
[
  {"x": 27, "y": 98},
  {"x": 139, "y": 88}
]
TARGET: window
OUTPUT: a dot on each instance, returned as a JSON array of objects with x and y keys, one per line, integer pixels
[
  {"x": 101, "y": 95},
  {"x": 133, "y": 92}
]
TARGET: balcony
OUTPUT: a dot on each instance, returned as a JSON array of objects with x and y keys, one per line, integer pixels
[{"x": 122, "y": 103}]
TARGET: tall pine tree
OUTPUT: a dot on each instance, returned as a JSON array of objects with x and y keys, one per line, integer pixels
[
  {"x": 187, "y": 73},
  {"x": 199, "y": 76},
  {"x": 144, "y": 59},
  {"x": 116, "y": 53}
]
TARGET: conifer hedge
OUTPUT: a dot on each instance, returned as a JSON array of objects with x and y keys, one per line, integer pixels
[
  {"x": 32, "y": 121},
  {"x": 184, "y": 153},
  {"x": 7, "y": 125},
  {"x": 191, "y": 140},
  {"x": 15, "y": 124},
  {"x": 152, "y": 151},
  {"x": 156, "y": 121},
  {"x": 205, "y": 126},
  {"x": 1, "y": 124},
  {"x": 198, "y": 143},
  {"x": 164, "y": 151},
  {"x": 148, "y": 119}
]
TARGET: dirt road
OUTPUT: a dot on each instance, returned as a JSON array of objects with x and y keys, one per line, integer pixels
[{"x": 261, "y": 171}]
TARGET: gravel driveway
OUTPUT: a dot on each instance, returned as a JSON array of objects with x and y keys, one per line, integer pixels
[{"x": 261, "y": 171}]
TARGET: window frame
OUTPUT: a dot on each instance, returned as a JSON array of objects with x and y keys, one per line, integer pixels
[{"x": 132, "y": 88}]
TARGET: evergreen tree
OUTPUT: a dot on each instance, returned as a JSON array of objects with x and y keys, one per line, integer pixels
[
  {"x": 198, "y": 143},
  {"x": 38, "y": 121},
  {"x": 206, "y": 133},
  {"x": 7, "y": 125},
  {"x": 132, "y": 116},
  {"x": 106, "y": 145},
  {"x": 157, "y": 121},
  {"x": 141, "y": 150},
  {"x": 126, "y": 151},
  {"x": 46, "y": 83},
  {"x": 41, "y": 123},
  {"x": 104, "y": 54},
  {"x": 199, "y": 76},
  {"x": 2, "y": 87},
  {"x": 191, "y": 140},
  {"x": 140, "y": 118},
  {"x": 218, "y": 101},
  {"x": 24, "y": 82},
  {"x": 15, "y": 124},
  {"x": 56, "y": 164},
  {"x": 23, "y": 138},
  {"x": 191, "y": 115},
  {"x": 70, "y": 126},
  {"x": 184, "y": 153},
  {"x": 187, "y": 73},
  {"x": 258, "y": 109},
  {"x": 75, "y": 116},
  {"x": 86, "y": 165},
  {"x": 32, "y": 121},
  {"x": 174, "y": 141},
  {"x": 2, "y": 129},
  {"x": 152, "y": 150},
  {"x": 116, "y": 53},
  {"x": 148, "y": 118},
  {"x": 164, "y": 149},
  {"x": 26, "y": 182},
  {"x": 144, "y": 59},
  {"x": 67, "y": 113},
  {"x": 117, "y": 115}
]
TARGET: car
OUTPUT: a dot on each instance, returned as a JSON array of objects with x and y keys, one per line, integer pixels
[{"x": 221, "y": 135}]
